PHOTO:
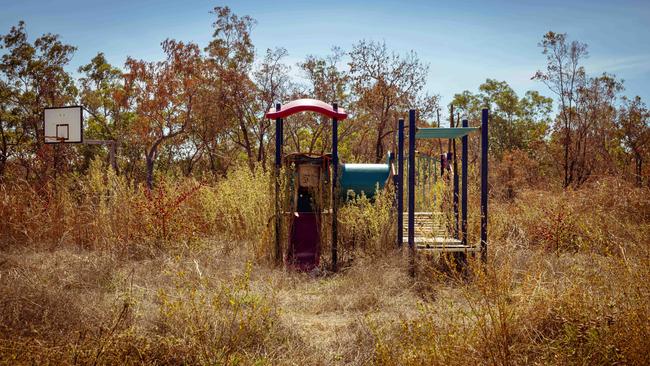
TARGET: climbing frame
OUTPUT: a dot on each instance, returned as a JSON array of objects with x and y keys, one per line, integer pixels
[{"x": 427, "y": 230}]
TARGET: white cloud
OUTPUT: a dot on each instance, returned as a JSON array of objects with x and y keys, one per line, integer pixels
[{"x": 628, "y": 64}]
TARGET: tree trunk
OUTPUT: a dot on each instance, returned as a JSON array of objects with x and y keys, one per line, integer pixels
[
  {"x": 3, "y": 165},
  {"x": 639, "y": 171},
  {"x": 150, "y": 160},
  {"x": 213, "y": 166},
  {"x": 247, "y": 144},
  {"x": 3, "y": 152},
  {"x": 379, "y": 147},
  {"x": 261, "y": 156},
  {"x": 150, "y": 166},
  {"x": 379, "y": 150},
  {"x": 567, "y": 142}
]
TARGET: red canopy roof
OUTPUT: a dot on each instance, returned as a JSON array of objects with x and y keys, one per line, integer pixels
[{"x": 301, "y": 105}]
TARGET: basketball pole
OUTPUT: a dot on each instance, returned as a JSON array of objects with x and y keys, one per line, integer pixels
[
  {"x": 56, "y": 162},
  {"x": 55, "y": 186}
]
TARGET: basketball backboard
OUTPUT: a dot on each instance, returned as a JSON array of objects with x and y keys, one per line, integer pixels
[{"x": 63, "y": 125}]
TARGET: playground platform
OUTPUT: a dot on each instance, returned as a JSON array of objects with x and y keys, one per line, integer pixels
[{"x": 431, "y": 234}]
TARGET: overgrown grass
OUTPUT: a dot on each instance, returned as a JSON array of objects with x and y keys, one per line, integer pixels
[
  {"x": 566, "y": 284},
  {"x": 368, "y": 226},
  {"x": 101, "y": 211},
  {"x": 168, "y": 310},
  {"x": 95, "y": 271}
]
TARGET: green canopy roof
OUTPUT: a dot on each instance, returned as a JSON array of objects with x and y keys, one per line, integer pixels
[{"x": 443, "y": 133}]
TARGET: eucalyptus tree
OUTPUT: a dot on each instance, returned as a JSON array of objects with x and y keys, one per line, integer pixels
[
  {"x": 32, "y": 77},
  {"x": 634, "y": 123},
  {"x": 386, "y": 84},
  {"x": 564, "y": 76}
]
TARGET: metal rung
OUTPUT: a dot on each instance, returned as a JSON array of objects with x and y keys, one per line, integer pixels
[
  {"x": 441, "y": 244},
  {"x": 434, "y": 240},
  {"x": 448, "y": 249}
]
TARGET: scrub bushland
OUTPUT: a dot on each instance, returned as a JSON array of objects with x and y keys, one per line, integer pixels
[{"x": 96, "y": 270}]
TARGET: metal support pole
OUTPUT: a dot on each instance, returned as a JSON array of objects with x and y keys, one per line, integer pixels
[
  {"x": 400, "y": 183},
  {"x": 278, "y": 206},
  {"x": 411, "y": 191},
  {"x": 455, "y": 176},
  {"x": 335, "y": 178},
  {"x": 484, "y": 184},
  {"x": 455, "y": 187},
  {"x": 463, "y": 204},
  {"x": 55, "y": 161}
]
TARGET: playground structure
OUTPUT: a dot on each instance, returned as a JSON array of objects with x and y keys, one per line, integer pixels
[
  {"x": 425, "y": 229},
  {"x": 310, "y": 176},
  {"x": 311, "y": 201}
]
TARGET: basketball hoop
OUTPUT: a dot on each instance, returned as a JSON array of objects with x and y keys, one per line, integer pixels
[
  {"x": 55, "y": 139},
  {"x": 63, "y": 125}
]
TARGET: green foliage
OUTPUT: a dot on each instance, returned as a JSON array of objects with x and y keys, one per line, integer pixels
[
  {"x": 32, "y": 76},
  {"x": 515, "y": 123}
]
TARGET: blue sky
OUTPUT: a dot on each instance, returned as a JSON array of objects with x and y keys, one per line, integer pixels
[{"x": 464, "y": 42}]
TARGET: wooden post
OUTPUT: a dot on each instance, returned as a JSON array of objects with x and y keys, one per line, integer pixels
[
  {"x": 400, "y": 183},
  {"x": 112, "y": 149},
  {"x": 112, "y": 154},
  {"x": 411, "y": 192},
  {"x": 484, "y": 184},
  {"x": 335, "y": 178},
  {"x": 278, "y": 206}
]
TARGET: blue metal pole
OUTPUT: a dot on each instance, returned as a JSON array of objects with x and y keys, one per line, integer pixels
[
  {"x": 455, "y": 187},
  {"x": 463, "y": 203},
  {"x": 484, "y": 184},
  {"x": 411, "y": 191},
  {"x": 278, "y": 166},
  {"x": 400, "y": 183},
  {"x": 278, "y": 138},
  {"x": 335, "y": 178}
]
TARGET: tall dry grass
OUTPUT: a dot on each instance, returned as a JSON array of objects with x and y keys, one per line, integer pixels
[
  {"x": 73, "y": 306},
  {"x": 566, "y": 284},
  {"x": 67, "y": 297},
  {"x": 367, "y": 226},
  {"x": 96, "y": 271},
  {"x": 102, "y": 211}
]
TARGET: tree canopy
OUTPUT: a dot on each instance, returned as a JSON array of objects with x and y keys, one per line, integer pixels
[{"x": 201, "y": 109}]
